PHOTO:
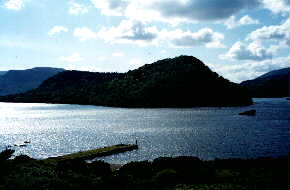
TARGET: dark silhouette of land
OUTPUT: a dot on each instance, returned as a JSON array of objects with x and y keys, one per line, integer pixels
[
  {"x": 273, "y": 84},
  {"x": 183, "y": 81},
  {"x": 19, "y": 81}
]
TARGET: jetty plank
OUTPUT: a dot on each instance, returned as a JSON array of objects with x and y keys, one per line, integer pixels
[{"x": 91, "y": 154}]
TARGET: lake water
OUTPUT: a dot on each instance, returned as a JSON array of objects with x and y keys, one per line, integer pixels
[{"x": 207, "y": 133}]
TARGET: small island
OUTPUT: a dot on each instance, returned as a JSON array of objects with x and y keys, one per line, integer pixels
[{"x": 249, "y": 113}]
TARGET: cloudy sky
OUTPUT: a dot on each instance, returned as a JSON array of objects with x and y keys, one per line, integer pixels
[{"x": 239, "y": 39}]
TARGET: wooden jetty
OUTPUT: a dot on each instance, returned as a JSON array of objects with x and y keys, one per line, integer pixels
[{"x": 91, "y": 154}]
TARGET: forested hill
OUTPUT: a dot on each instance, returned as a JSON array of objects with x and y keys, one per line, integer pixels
[
  {"x": 68, "y": 87},
  {"x": 183, "y": 81},
  {"x": 270, "y": 85}
]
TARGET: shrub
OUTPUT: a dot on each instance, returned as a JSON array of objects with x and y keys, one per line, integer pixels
[
  {"x": 73, "y": 165},
  {"x": 141, "y": 169},
  {"x": 6, "y": 154},
  {"x": 167, "y": 177},
  {"x": 22, "y": 159},
  {"x": 99, "y": 168},
  {"x": 32, "y": 177}
]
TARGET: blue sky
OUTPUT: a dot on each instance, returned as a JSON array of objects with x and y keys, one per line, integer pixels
[{"x": 239, "y": 39}]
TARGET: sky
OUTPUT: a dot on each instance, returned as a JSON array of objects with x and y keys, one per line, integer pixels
[{"x": 239, "y": 39}]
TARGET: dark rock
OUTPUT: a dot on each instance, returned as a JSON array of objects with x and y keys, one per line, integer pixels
[{"x": 249, "y": 113}]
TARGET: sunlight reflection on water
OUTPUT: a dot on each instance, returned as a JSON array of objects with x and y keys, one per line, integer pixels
[{"x": 204, "y": 132}]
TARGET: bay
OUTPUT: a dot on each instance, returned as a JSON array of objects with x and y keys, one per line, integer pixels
[{"x": 207, "y": 133}]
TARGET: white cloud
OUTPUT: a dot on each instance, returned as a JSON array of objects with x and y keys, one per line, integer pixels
[
  {"x": 84, "y": 68},
  {"x": 174, "y": 11},
  {"x": 249, "y": 70},
  {"x": 111, "y": 7},
  {"x": 76, "y": 8},
  {"x": 278, "y": 6},
  {"x": 232, "y": 22},
  {"x": 275, "y": 37},
  {"x": 137, "y": 32},
  {"x": 75, "y": 57},
  {"x": 15, "y": 5},
  {"x": 56, "y": 30},
  {"x": 102, "y": 58},
  {"x": 129, "y": 32},
  {"x": 204, "y": 37},
  {"x": 254, "y": 51},
  {"x": 276, "y": 33},
  {"x": 118, "y": 54},
  {"x": 135, "y": 63},
  {"x": 84, "y": 34}
]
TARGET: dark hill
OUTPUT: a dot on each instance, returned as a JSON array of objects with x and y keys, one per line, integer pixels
[
  {"x": 272, "y": 84},
  {"x": 68, "y": 87},
  {"x": 179, "y": 82},
  {"x": 19, "y": 81}
]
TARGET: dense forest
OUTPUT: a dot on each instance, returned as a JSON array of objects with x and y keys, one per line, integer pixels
[
  {"x": 183, "y": 81},
  {"x": 270, "y": 85}
]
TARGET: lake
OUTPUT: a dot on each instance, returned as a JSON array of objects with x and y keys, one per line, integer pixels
[{"x": 207, "y": 133}]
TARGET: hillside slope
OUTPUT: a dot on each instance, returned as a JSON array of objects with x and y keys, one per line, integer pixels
[
  {"x": 272, "y": 84},
  {"x": 19, "y": 81},
  {"x": 183, "y": 81}
]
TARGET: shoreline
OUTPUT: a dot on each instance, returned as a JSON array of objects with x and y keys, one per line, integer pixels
[{"x": 168, "y": 173}]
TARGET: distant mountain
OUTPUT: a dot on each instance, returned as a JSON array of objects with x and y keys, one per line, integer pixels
[
  {"x": 19, "y": 81},
  {"x": 272, "y": 84},
  {"x": 3, "y": 72},
  {"x": 183, "y": 81}
]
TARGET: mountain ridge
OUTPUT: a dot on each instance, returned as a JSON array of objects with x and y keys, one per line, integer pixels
[
  {"x": 273, "y": 84},
  {"x": 19, "y": 81},
  {"x": 182, "y": 81}
]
